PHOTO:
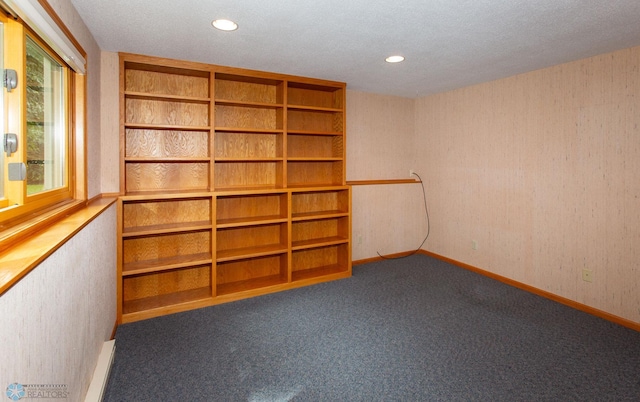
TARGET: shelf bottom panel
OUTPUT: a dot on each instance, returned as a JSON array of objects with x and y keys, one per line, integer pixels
[
  {"x": 166, "y": 300},
  {"x": 250, "y": 284},
  {"x": 318, "y": 272}
]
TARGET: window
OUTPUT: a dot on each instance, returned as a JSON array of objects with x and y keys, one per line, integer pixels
[
  {"x": 43, "y": 174},
  {"x": 47, "y": 127}
]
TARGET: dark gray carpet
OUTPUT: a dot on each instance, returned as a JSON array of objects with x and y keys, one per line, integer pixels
[{"x": 415, "y": 329}]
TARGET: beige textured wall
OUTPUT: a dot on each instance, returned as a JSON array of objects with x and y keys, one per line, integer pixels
[
  {"x": 56, "y": 319},
  {"x": 541, "y": 169},
  {"x": 380, "y": 145},
  {"x": 110, "y": 122}
]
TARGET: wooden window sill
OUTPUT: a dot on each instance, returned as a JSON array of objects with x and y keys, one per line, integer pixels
[{"x": 23, "y": 256}]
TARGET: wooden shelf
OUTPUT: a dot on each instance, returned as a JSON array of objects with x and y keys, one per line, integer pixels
[
  {"x": 258, "y": 220},
  {"x": 166, "y": 228},
  {"x": 245, "y": 189},
  {"x": 318, "y": 215},
  {"x": 248, "y": 130},
  {"x": 313, "y": 132},
  {"x": 320, "y": 242},
  {"x": 314, "y": 108},
  {"x": 179, "y": 159},
  {"x": 311, "y": 159},
  {"x": 248, "y": 159},
  {"x": 319, "y": 272},
  {"x": 250, "y": 284},
  {"x": 164, "y": 195},
  {"x": 232, "y": 185},
  {"x": 162, "y": 301},
  {"x": 164, "y": 264},
  {"x": 154, "y": 126},
  {"x": 161, "y": 97},
  {"x": 250, "y": 252},
  {"x": 227, "y": 102}
]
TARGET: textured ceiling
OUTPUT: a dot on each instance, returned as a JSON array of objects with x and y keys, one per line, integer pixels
[{"x": 447, "y": 43}]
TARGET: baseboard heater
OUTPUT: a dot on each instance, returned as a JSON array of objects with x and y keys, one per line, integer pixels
[{"x": 101, "y": 374}]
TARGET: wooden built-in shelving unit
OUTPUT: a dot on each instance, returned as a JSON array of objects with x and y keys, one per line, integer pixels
[{"x": 232, "y": 185}]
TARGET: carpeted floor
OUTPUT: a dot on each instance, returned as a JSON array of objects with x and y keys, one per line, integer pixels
[{"x": 415, "y": 329}]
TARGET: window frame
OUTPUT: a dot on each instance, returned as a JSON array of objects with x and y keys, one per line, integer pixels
[{"x": 44, "y": 209}]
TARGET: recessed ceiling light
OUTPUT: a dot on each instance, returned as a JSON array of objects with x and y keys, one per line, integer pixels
[
  {"x": 394, "y": 59},
  {"x": 225, "y": 25}
]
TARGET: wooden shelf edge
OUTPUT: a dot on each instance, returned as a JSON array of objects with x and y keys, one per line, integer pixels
[
  {"x": 250, "y": 285},
  {"x": 321, "y": 109},
  {"x": 260, "y": 105},
  {"x": 144, "y": 159},
  {"x": 248, "y": 160},
  {"x": 320, "y": 274},
  {"x": 163, "y": 97},
  {"x": 166, "y": 229},
  {"x": 318, "y": 243},
  {"x": 148, "y": 267},
  {"x": 312, "y": 132},
  {"x": 143, "y": 126},
  {"x": 240, "y": 130},
  {"x": 250, "y": 252},
  {"x": 310, "y": 216},
  {"x": 314, "y": 159},
  {"x": 254, "y": 221}
]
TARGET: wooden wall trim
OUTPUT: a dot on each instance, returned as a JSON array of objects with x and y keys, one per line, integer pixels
[
  {"x": 531, "y": 289},
  {"x": 377, "y": 182},
  {"x": 19, "y": 259}
]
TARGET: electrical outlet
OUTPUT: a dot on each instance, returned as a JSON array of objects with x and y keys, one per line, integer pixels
[
  {"x": 359, "y": 239},
  {"x": 411, "y": 172},
  {"x": 587, "y": 275},
  {"x": 474, "y": 244}
]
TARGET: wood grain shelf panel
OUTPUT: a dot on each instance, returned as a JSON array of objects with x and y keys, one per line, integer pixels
[
  {"x": 303, "y": 94},
  {"x": 313, "y": 159},
  {"x": 165, "y": 81},
  {"x": 320, "y": 257},
  {"x": 166, "y": 300},
  {"x": 252, "y": 221},
  {"x": 160, "y": 126},
  {"x": 177, "y": 159},
  {"x": 165, "y": 97},
  {"x": 318, "y": 272},
  {"x": 318, "y": 215},
  {"x": 227, "y": 102},
  {"x": 313, "y": 132},
  {"x": 250, "y": 252},
  {"x": 166, "y": 228},
  {"x": 165, "y": 245},
  {"x": 164, "y": 264},
  {"x": 249, "y": 130},
  {"x": 175, "y": 113},
  {"x": 164, "y": 195},
  {"x": 319, "y": 242},
  {"x": 250, "y": 284},
  {"x": 246, "y": 88},
  {"x": 313, "y": 108},
  {"x": 170, "y": 144},
  {"x": 248, "y": 159}
]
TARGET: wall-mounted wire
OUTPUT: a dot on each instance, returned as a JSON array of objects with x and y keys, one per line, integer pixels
[{"x": 426, "y": 210}]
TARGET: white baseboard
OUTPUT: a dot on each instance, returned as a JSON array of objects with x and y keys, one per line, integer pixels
[{"x": 101, "y": 373}]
